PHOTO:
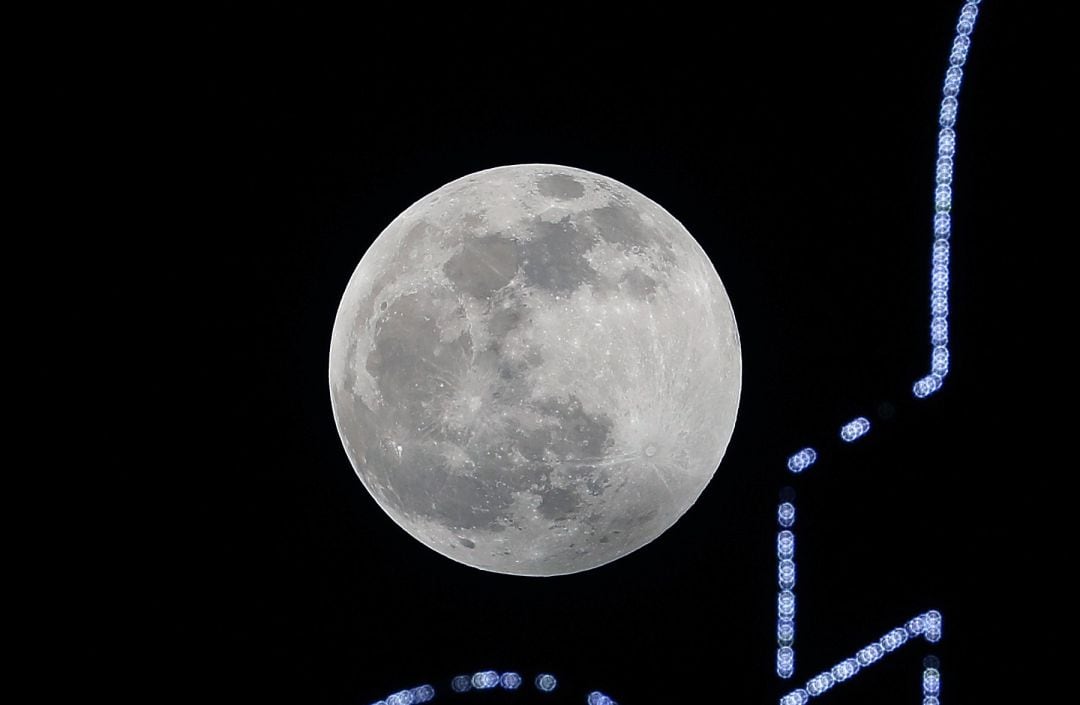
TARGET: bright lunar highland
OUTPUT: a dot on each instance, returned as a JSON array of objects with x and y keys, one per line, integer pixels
[{"x": 535, "y": 370}]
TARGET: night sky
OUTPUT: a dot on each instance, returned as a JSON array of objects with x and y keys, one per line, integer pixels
[{"x": 797, "y": 145}]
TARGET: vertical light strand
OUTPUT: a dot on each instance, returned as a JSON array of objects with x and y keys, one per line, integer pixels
[
  {"x": 943, "y": 182},
  {"x": 785, "y": 599}
]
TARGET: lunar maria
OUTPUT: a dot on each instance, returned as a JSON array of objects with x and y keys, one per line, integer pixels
[{"x": 535, "y": 370}]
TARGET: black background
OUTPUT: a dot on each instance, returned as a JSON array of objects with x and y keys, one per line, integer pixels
[{"x": 797, "y": 143}]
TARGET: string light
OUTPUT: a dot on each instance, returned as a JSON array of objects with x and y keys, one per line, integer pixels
[
  {"x": 943, "y": 195},
  {"x": 927, "y": 626},
  {"x": 785, "y": 601}
]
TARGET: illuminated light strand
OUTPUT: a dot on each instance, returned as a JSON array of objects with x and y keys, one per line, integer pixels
[
  {"x": 785, "y": 599},
  {"x": 940, "y": 252},
  {"x": 943, "y": 186},
  {"x": 854, "y": 429},
  {"x": 488, "y": 680},
  {"x": 927, "y": 626}
]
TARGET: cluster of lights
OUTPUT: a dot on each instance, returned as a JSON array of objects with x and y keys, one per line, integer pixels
[
  {"x": 802, "y": 460},
  {"x": 785, "y": 600},
  {"x": 939, "y": 268},
  {"x": 931, "y": 682},
  {"x": 487, "y": 680},
  {"x": 412, "y": 696},
  {"x": 854, "y": 429},
  {"x": 928, "y": 626}
]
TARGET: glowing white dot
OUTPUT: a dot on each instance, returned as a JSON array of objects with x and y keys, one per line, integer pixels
[
  {"x": 894, "y": 639},
  {"x": 931, "y": 681},
  {"x": 939, "y": 360},
  {"x": 785, "y": 604},
  {"x": 845, "y": 669},
  {"x": 941, "y": 252},
  {"x": 510, "y": 681},
  {"x": 869, "y": 654},
  {"x": 943, "y": 198},
  {"x": 786, "y": 574},
  {"x": 820, "y": 683},
  {"x": 854, "y": 429},
  {"x": 802, "y": 460},
  {"x": 785, "y": 662},
  {"x": 423, "y": 694},
  {"x": 947, "y": 117},
  {"x": 939, "y": 304},
  {"x": 461, "y": 684},
  {"x": 785, "y": 632},
  {"x": 786, "y": 514},
  {"x": 796, "y": 697},
  {"x": 927, "y": 386},
  {"x": 942, "y": 221},
  {"x": 598, "y": 698},
  {"x": 785, "y": 544},
  {"x": 483, "y": 680},
  {"x": 939, "y": 330},
  {"x": 947, "y": 142},
  {"x": 546, "y": 682},
  {"x": 404, "y": 697}
]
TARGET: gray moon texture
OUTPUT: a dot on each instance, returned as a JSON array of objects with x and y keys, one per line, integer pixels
[{"x": 535, "y": 370}]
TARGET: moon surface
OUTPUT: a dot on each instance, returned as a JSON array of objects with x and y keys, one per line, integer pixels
[{"x": 535, "y": 370}]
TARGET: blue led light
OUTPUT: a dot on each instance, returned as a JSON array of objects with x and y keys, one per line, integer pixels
[
  {"x": 510, "y": 681},
  {"x": 942, "y": 221},
  {"x": 854, "y": 429},
  {"x": 404, "y": 697},
  {"x": 845, "y": 669},
  {"x": 932, "y": 621},
  {"x": 820, "y": 683},
  {"x": 946, "y": 142},
  {"x": 947, "y": 116},
  {"x": 795, "y": 697},
  {"x": 598, "y": 698},
  {"x": 941, "y": 252},
  {"x": 927, "y": 386},
  {"x": 546, "y": 682},
  {"x": 943, "y": 198},
  {"x": 482, "y": 680},
  {"x": 785, "y": 631},
  {"x": 785, "y": 604},
  {"x": 931, "y": 682},
  {"x": 802, "y": 460},
  {"x": 785, "y": 544},
  {"x": 894, "y": 639},
  {"x": 423, "y": 694},
  {"x": 786, "y": 514},
  {"x": 785, "y": 662},
  {"x": 461, "y": 684},
  {"x": 786, "y": 574}
]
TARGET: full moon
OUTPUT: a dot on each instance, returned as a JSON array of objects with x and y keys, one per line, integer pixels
[{"x": 535, "y": 370}]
